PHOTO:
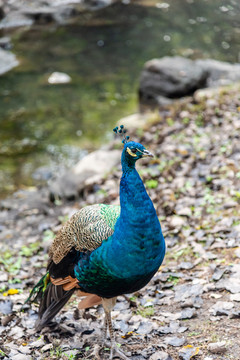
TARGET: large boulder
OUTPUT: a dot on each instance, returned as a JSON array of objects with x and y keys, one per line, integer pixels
[
  {"x": 86, "y": 173},
  {"x": 170, "y": 77},
  {"x": 7, "y": 61},
  {"x": 219, "y": 72},
  {"x": 1, "y": 10},
  {"x": 15, "y": 13},
  {"x": 175, "y": 77}
]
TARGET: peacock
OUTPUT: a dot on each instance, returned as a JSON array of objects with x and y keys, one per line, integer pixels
[{"x": 104, "y": 251}]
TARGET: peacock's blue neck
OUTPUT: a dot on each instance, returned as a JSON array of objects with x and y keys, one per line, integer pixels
[
  {"x": 128, "y": 259},
  {"x": 138, "y": 229}
]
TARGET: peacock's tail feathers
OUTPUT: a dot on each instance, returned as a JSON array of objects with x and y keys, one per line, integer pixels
[
  {"x": 85, "y": 231},
  {"x": 38, "y": 291},
  {"x": 55, "y": 297}
]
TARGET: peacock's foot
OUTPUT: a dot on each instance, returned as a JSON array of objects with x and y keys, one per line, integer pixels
[
  {"x": 95, "y": 353},
  {"x": 115, "y": 351}
]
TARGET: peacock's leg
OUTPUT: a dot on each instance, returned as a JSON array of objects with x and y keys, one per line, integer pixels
[
  {"x": 108, "y": 304},
  {"x": 105, "y": 327}
]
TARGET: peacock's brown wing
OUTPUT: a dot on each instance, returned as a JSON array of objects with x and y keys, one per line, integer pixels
[{"x": 85, "y": 231}]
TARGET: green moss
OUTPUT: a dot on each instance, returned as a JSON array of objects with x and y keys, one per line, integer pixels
[
  {"x": 151, "y": 184},
  {"x": 147, "y": 311}
]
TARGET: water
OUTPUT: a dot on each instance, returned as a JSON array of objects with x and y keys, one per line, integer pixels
[{"x": 50, "y": 126}]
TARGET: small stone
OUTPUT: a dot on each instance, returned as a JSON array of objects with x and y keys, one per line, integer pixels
[
  {"x": 235, "y": 297},
  {"x": 160, "y": 355},
  {"x": 218, "y": 273},
  {"x": 6, "y": 307},
  {"x": 145, "y": 327},
  {"x": 235, "y": 315},
  {"x": 221, "y": 308},
  {"x": 174, "y": 341},
  {"x": 187, "y": 313},
  {"x": 24, "y": 349},
  {"x": 187, "y": 352},
  {"x": 59, "y": 78},
  {"x": 237, "y": 252},
  {"x": 185, "y": 212},
  {"x": 184, "y": 265},
  {"x": 47, "y": 347},
  {"x": 217, "y": 348},
  {"x": 3, "y": 277},
  {"x": 177, "y": 222},
  {"x": 21, "y": 357},
  {"x": 37, "y": 344}
]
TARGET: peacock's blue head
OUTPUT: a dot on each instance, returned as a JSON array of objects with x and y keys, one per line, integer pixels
[{"x": 133, "y": 151}]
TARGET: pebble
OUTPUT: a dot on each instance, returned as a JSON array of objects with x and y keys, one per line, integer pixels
[
  {"x": 6, "y": 307},
  {"x": 160, "y": 355},
  {"x": 187, "y": 352},
  {"x": 37, "y": 344},
  {"x": 47, "y": 347},
  {"x": 21, "y": 357},
  {"x": 59, "y": 78},
  {"x": 235, "y": 297},
  {"x": 187, "y": 313},
  {"x": 221, "y": 308},
  {"x": 184, "y": 265},
  {"x": 174, "y": 340},
  {"x": 217, "y": 348}
]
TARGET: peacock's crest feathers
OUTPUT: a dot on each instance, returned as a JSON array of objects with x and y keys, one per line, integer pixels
[
  {"x": 121, "y": 131},
  {"x": 85, "y": 231}
]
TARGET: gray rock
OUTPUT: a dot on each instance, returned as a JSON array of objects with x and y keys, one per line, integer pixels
[
  {"x": 59, "y": 78},
  {"x": 186, "y": 353},
  {"x": 186, "y": 265},
  {"x": 175, "y": 341},
  {"x": 221, "y": 308},
  {"x": 20, "y": 356},
  {"x": 5, "y": 43},
  {"x": 219, "y": 72},
  {"x": 15, "y": 19},
  {"x": 47, "y": 347},
  {"x": 173, "y": 327},
  {"x": 235, "y": 315},
  {"x": 160, "y": 355},
  {"x": 187, "y": 313},
  {"x": 175, "y": 77},
  {"x": 2, "y": 13},
  {"x": 218, "y": 347},
  {"x": 235, "y": 297},
  {"x": 182, "y": 292},
  {"x": 7, "y": 61},
  {"x": 86, "y": 173},
  {"x": 145, "y": 327},
  {"x": 6, "y": 307},
  {"x": 170, "y": 77},
  {"x": 96, "y": 4},
  {"x": 218, "y": 273}
]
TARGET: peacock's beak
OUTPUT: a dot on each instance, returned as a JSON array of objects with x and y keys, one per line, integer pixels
[{"x": 147, "y": 153}]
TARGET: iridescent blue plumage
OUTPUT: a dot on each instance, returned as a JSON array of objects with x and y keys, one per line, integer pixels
[
  {"x": 127, "y": 260},
  {"x": 104, "y": 250}
]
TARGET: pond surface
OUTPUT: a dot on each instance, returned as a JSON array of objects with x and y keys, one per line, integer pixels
[{"x": 44, "y": 127}]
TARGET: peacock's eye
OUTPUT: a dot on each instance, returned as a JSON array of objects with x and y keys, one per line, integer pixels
[{"x": 134, "y": 151}]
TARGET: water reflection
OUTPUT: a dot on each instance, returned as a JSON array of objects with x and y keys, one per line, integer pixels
[{"x": 103, "y": 53}]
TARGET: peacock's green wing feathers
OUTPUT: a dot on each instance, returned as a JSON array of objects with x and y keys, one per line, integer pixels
[
  {"x": 85, "y": 231},
  {"x": 39, "y": 289}
]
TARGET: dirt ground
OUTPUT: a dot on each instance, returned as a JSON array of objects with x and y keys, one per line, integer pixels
[{"x": 191, "y": 308}]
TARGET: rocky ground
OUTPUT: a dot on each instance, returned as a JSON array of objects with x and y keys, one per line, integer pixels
[{"x": 191, "y": 308}]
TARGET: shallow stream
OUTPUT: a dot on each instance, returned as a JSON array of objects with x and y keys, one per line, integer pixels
[{"x": 45, "y": 127}]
